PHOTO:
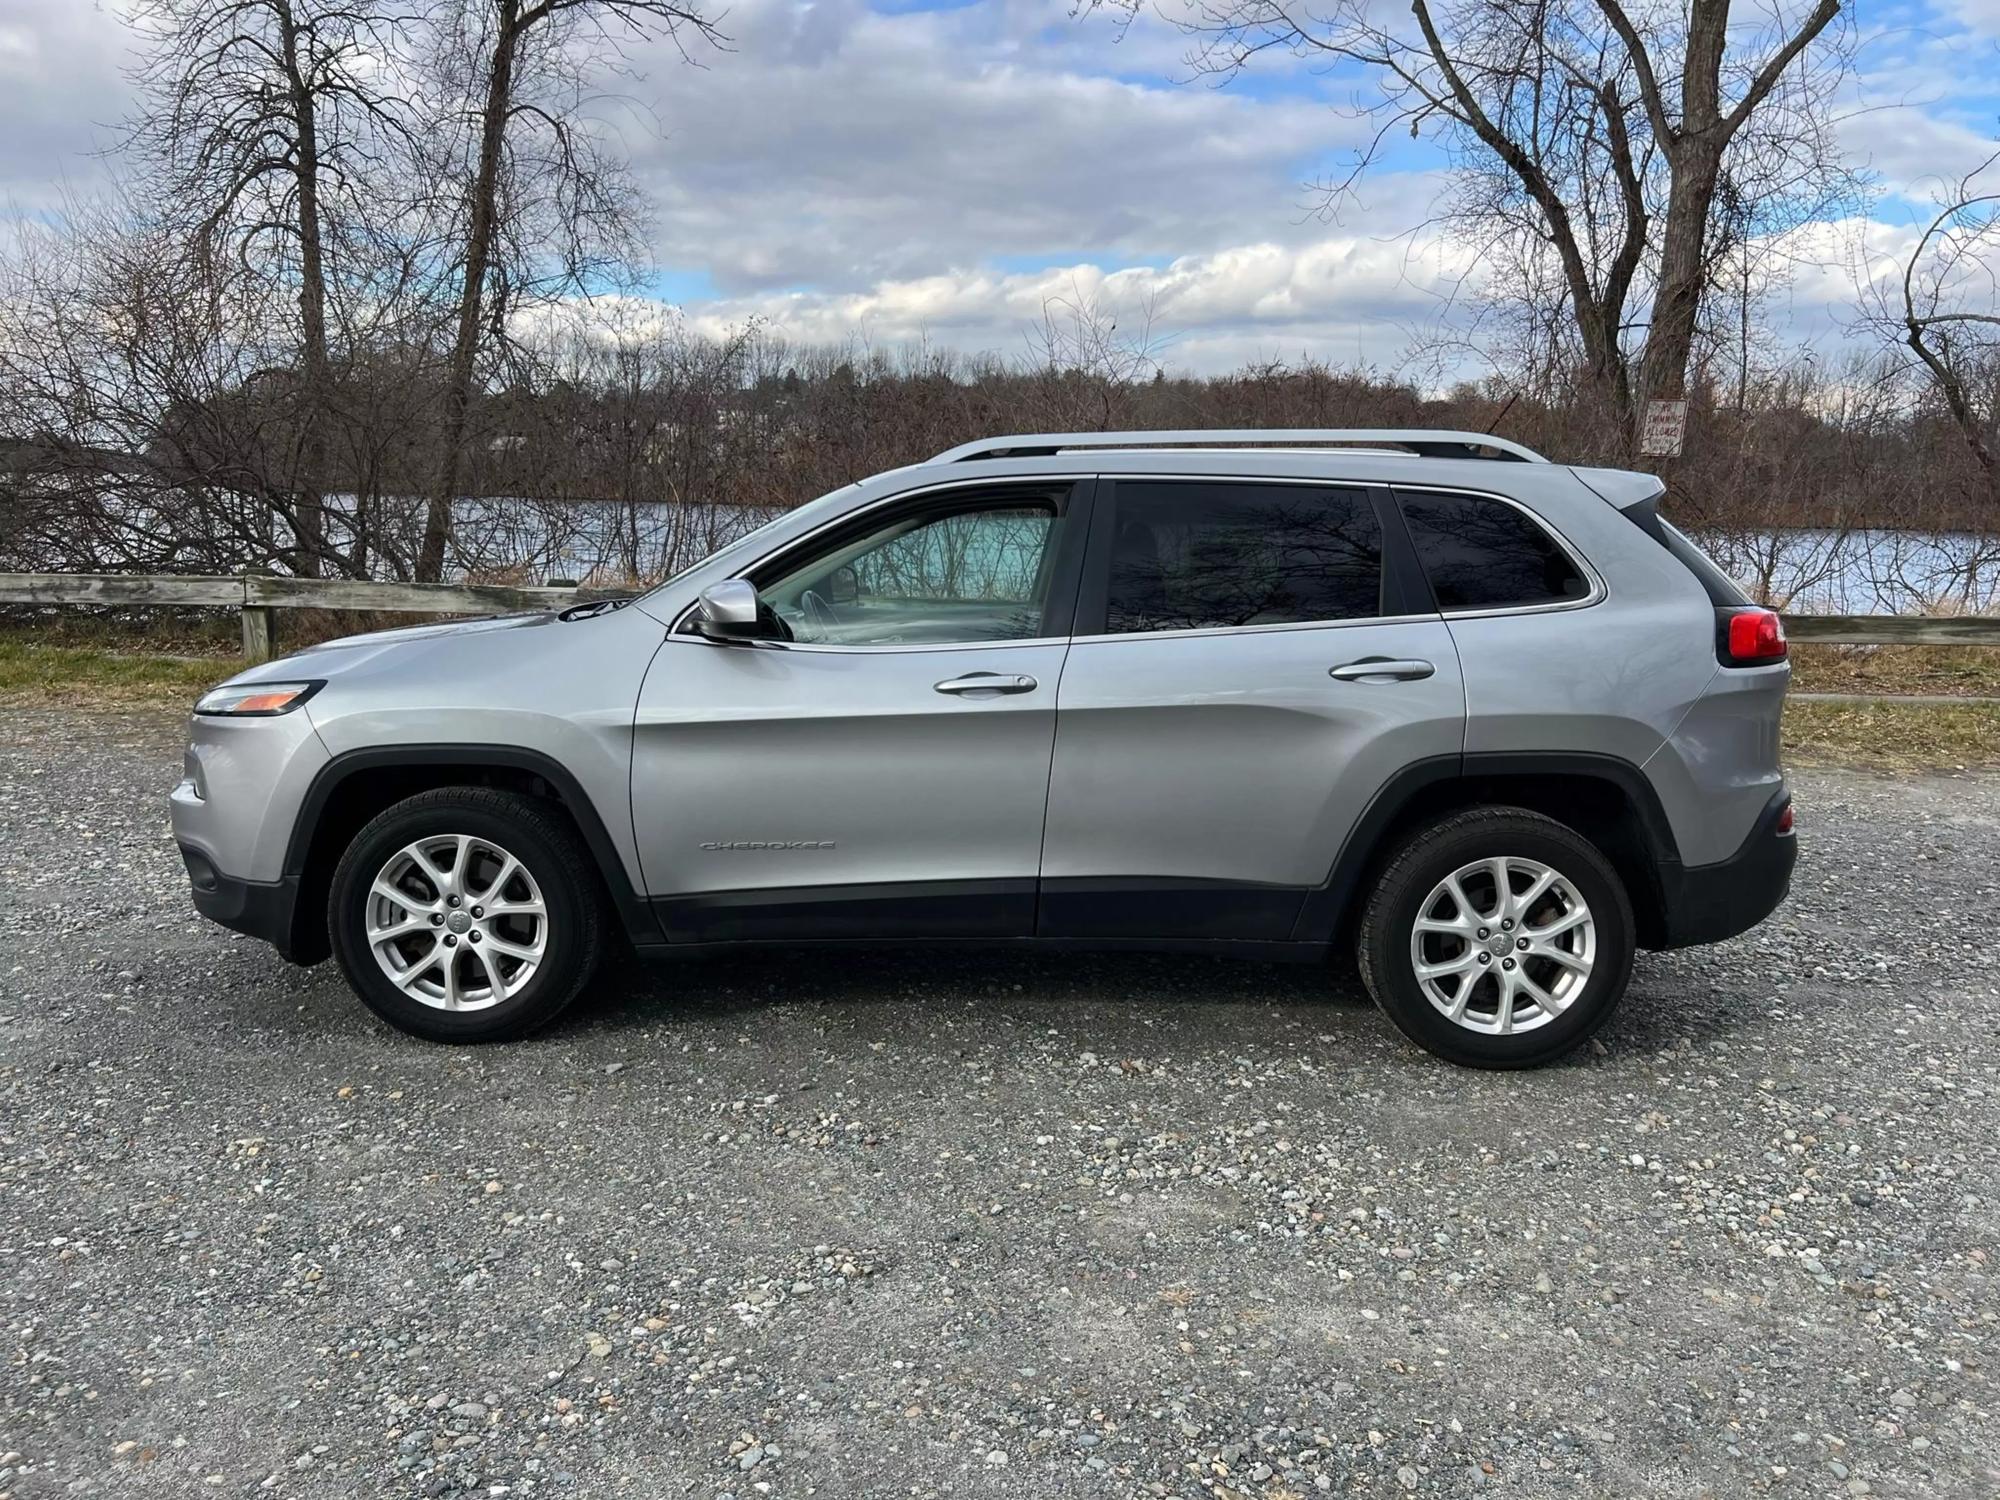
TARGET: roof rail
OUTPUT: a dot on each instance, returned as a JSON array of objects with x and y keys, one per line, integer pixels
[{"x": 1424, "y": 442}]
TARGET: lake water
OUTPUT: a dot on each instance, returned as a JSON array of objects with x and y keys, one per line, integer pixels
[{"x": 1863, "y": 572}]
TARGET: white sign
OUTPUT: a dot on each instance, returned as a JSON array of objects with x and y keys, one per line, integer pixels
[{"x": 1666, "y": 428}]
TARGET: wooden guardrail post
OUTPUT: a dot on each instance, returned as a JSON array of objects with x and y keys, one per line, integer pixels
[
  {"x": 259, "y": 633},
  {"x": 259, "y": 623}
]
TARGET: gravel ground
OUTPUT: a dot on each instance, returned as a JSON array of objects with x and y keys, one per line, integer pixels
[{"x": 979, "y": 1225}]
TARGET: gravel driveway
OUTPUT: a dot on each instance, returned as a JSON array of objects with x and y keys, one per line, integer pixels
[{"x": 962, "y": 1224}]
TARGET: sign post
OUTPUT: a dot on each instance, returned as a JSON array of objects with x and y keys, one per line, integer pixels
[{"x": 1665, "y": 430}]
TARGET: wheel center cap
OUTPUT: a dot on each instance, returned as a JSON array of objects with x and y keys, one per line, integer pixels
[
  {"x": 1499, "y": 945},
  {"x": 458, "y": 922}
]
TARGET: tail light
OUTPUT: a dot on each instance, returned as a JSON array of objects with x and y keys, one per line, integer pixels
[
  {"x": 1784, "y": 823},
  {"x": 1749, "y": 637}
]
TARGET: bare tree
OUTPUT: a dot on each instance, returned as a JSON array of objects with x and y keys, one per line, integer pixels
[
  {"x": 1944, "y": 305},
  {"x": 270, "y": 123},
  {"x": 146, "y": 425},
  {"x": 523, "y": 65},
  {"x": 1590, "y": 140},
  {"x": 1083, "y": 366},
  {"x": 1695, "y": 118}
]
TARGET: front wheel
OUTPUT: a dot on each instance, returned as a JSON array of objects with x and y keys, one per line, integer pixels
[
  {"x": 1497, "y": 938},
  {"x": 466, "y": 915}
]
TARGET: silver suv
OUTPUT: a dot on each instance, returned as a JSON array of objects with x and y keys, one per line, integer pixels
[{"x": 1486, "y": 722}]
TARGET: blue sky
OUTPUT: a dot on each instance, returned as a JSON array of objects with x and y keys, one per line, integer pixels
[{"x": 900, "y": 170}]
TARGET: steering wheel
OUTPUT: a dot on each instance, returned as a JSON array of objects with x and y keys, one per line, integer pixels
[{"x": 819, "y": 613}]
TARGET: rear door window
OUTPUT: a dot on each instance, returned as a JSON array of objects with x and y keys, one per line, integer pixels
[
  {"x": 1482, "y": 553},
  {"x": 1209, "y": 555}
]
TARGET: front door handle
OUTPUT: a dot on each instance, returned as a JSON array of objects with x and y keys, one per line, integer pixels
[
  {"x": 974, "y": 683},
  {"x": 1381, "y": 669}
]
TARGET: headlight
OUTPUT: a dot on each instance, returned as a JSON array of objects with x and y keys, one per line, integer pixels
[{"x": 256, "y": 699}]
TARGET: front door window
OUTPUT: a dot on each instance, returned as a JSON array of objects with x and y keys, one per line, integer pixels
[{"x": 964, "y": 576}]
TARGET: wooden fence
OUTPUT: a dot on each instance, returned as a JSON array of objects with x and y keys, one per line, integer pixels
[{"x": 260, "y": 598}]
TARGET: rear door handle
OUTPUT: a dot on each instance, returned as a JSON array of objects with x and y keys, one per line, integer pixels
[
  {"x": 1381, "y": 669},
  {"x": 987, "y": 682}
]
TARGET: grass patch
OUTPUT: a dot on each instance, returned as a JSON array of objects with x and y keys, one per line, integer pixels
[
  {"x": 1956, "y": 671},
  {"x": 143, "y": 632},
  {"x": 192, "y": 632},
  {"x": 34, "y": 676},
  {"x": 1885, "y": 735}
]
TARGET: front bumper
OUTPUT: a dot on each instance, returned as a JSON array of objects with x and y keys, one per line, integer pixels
[
  {"x": 1707, "y": 903},
  {"x": 243, "y": 783},
  {"x": 261, "y": 909}
]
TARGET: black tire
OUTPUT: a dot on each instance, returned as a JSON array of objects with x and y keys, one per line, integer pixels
[
  {"x": 544, "y": 843},
  {"x": 1416, "y": 868}
]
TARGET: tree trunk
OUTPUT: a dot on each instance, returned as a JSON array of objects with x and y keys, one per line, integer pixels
[
  {"x": 1958, "y": 401},
  {"x": 1610, "y": 376},
  {"x": 1598, "y": 316},
  {"x": 310, "y": 506},
  {"x": 471, "y": 298},
  {"x": 1697, "y": 166}
]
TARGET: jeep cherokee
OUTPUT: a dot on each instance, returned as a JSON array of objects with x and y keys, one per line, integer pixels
[{"x": 1485, "y": 722}]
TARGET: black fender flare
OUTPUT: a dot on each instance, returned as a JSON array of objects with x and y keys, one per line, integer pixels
[
  {"x": 1329, "y": 906},
  {"x": 635, "y": 915}
]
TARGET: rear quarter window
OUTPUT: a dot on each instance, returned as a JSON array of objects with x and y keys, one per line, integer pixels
[
  {"x": 1722, "y": 590},
  {"x": 1485, "y": 554}
]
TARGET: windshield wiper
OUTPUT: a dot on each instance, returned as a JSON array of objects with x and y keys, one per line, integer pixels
[{"x": 592, "y": 608}]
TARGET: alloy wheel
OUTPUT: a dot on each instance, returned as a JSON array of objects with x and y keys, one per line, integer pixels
[
  {"x": 1503, "y": 945},
  {"x": 456, "y": 922}
]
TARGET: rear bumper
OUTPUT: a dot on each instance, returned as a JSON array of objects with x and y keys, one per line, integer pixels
[
  {"x": 1707, "y": 903},
  {"x": 258, "y": 908}
]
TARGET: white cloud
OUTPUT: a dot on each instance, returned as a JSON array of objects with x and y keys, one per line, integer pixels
[
  {"x": 62, "y": 93},
  {"x": 1911, "y": 151},
  {"x": 1982, "y": 16},
  {"x": 1344, "y": 298},
  {"x": 838, "y": 147}
]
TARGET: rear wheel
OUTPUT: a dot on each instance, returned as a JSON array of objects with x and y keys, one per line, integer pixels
[
  {"x": 466, "y": 915},
  {"x": 1497, "y": 938}
]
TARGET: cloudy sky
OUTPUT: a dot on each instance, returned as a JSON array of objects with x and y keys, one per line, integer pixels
[{"x": 900, "y": 170}]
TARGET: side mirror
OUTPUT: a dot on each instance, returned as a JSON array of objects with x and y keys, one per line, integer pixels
[{"x": 729, "y": 611}]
